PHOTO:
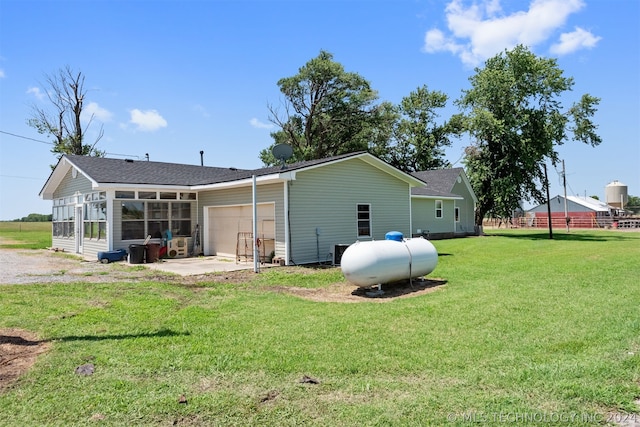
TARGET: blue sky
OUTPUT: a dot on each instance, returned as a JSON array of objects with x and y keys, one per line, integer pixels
[{"x": 171, "y": 78}]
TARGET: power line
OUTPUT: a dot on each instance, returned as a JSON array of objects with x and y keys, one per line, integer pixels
[
  {"x": 21, "y": 177},
  {"x": 26, "y": 137},
  {"x": 51, "y": 143}
]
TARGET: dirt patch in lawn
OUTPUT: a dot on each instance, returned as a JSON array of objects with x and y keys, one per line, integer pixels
[
  {"x": 346, "y": 292},
  {"x": 18, "y": 352}
]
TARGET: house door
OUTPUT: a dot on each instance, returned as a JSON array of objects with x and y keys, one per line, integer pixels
[
  {"x": 79, "y": 232},
  {"x": 230, "y": 226}
]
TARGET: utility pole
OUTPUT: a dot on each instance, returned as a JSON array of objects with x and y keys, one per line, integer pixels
[
  {"x": 546, "y": 184},
  {"x": 564, "y": 184}
]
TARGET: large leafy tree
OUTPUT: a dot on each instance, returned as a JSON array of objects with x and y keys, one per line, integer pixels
[
  {"x": 62, "y": 119},
  {"x": 417, "y": 142},
  {"x": 514, "y": 115},
  {"x": 327, "y": 111}
]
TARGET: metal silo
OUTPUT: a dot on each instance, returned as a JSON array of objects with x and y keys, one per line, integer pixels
[{"x": 616, "y": 194}]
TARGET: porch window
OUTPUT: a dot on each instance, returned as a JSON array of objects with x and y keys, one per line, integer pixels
[
  {"x": 457, "y": 213},
  {"x": 143, "y": 218},
  {"x": 95, "y": 220},
  {"x": 63, "y": 218},
  {"x": 132, "y": 220},
  {"x": 364, "y": 220},
  {"x": 157, "y": 218},
  {"x": 438, "y": 208},
  {"x": 181, "y": 219}
]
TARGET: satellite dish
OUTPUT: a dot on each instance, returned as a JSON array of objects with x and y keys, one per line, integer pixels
[{"x": 282, "y": 152}]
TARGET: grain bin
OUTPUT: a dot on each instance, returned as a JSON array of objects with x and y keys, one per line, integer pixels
[{"x": 616, "y": 194}]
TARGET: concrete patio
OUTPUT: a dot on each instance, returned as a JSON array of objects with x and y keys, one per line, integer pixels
[{"x": 202, "y": 265}]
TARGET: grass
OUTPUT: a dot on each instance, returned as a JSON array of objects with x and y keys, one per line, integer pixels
[
  {"x": 525, "y": 329},
  {"x": 25, "y": 235}
]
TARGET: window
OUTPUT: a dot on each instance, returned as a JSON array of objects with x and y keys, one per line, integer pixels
[
  {"x": 63, "y": 217},
  {"x": 181, "y": 219},
  {"x": 125, "y": 194},
  {"x": 143, "y": 218},
  {"x": 157, "y": 218},
  {"x": 95, "y": 220},
  {"x": 166, "y": 195},
  {"x": 364, "y": 220},
  {"x": 147, "y": 195},
  {"x": 438, "y": 208},
  {"x": 457, "y": 213},
  {"x": 132, "y": 220}
]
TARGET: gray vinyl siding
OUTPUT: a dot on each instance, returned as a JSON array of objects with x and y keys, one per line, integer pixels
[
  {"x": 67, "y": 244},
  {"x": 70, "y": 186},
  {"x": 90, "y": 248},
  {"x": 269, "y": 193},
  {"x": 424, "y": 215},
  {"x": 326, "y": 199},
  {"x": 466, "y": 225}
]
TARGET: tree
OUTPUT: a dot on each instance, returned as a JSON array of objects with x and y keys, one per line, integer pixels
[
  {"x": 328, "y": 111},
  {"x": 515, "y": 118},
  {"x": 417, "y": 142},
  {"x": 633, "y": 204},
  {"x": 63, "y": 121}
]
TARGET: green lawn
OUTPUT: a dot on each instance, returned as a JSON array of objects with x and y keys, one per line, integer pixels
[
  {"x": 526, "y": 330},
  {"x": 25, "y": 235}
]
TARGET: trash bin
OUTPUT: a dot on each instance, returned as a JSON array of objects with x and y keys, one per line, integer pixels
[
  {"x": 153, "y": 252},
  {"x": 136, "y": 254}
]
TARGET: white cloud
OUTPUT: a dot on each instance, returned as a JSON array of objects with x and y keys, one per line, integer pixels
[
  {"x": 2, "y": 75},
  {"x": 482, "y": 30},
  {"x": 93, "y": 109},
  {"x": 147, "y": 121},
  {"x": 260, "y": 125},
  {"x": 570, "y": 42},
  {"x": 35, "y": 91}
]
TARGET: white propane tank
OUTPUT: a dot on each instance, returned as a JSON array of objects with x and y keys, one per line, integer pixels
[{"x": 385, "y": 261}]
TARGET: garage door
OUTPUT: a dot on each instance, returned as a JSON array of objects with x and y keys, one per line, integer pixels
[{"x": 230, "y": 228}]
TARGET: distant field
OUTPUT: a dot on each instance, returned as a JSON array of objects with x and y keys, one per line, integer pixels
[{"x": 25, "y": 235}]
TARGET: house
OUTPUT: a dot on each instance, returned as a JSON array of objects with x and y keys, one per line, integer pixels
[
  {"x": 445, "y": 207},
  {"x": 306, "y": 212},
  {"x": 582, "y": 211}
]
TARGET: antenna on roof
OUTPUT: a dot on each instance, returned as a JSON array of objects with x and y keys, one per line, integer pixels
[
  {"x": 147, "y": 156},
  {"x": 201, "y": 158},
  {"x": 282, "y": 152}
]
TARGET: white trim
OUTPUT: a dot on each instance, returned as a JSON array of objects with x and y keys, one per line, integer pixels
[{"x": 437, "y": 197}]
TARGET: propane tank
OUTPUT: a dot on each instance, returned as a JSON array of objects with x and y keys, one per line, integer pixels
[{"x": 384, "y": 261}]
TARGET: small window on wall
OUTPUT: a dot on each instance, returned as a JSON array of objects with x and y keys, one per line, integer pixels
[
  {"x": 125, "y": 194},
  {"x": 438, "y": 208},
  {"x": 364, "y": 220},
  {"x": 147, "y": 195},
  {"x": 457, "y": 214}
]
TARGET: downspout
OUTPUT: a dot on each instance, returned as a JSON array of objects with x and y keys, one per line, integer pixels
[
  {"x": 410, "y": 213},
  {"x": 287, "y": 237}
]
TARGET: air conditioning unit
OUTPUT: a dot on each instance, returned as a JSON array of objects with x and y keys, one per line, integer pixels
[
  {"x": 338, "y": 250},
  {"x": 177, "y": 247}
]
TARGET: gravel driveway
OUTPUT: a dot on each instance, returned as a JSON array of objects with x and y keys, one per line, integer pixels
[{"x": 19, "y": 266}]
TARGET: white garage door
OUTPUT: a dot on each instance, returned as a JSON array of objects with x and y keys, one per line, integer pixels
[{"x": 230, "y": 228}]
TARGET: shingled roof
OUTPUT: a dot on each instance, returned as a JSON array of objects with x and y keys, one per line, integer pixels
[
  {"x": 125, "y": 171},
  {"x": 440, "y": 182},
  {"x": 103, "y": 171}
]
